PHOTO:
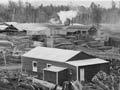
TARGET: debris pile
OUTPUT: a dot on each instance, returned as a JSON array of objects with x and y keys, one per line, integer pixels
[
  {"x": 15, "y": 80},
  {"x": 106, "y": 82}
]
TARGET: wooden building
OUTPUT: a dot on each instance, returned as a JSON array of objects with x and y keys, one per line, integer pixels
[
  {"x": 11, "y": 29},
  {"x": 81, "y": 30},
  {"x": 75, "y": 29},
  {"x": 55, "y": 74},
  {"x": 51, "y": 64},
  {"x": 113, "y": 41}
]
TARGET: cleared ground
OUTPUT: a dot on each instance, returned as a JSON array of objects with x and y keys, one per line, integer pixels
[{"x": 11, "y": 67}]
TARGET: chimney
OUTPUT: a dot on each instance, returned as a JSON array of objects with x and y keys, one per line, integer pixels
[
  {"x": 67, "y": 22},
  {"x": 50, "y": 40},
  {"x": 72, "y": 21}
]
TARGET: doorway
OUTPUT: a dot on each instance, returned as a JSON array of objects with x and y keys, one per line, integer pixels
[{"x": 82, "y": 74}]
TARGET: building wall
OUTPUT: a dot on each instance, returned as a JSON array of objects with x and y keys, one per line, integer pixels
[
  {"x": 81, "y": 56},
  {"x": 41, "y": 64},
  {"x": 50, "y": 76},
  {"x": 113, "y": 41},
  {"x": 62, "y": 76},
  {"x": 91, "y": 70}
]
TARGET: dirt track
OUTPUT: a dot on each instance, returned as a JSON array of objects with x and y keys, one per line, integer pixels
[{"x": 11, "y": 67}]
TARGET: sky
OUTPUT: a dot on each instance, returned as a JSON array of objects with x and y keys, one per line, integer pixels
[{"x": 103, "y": 3}]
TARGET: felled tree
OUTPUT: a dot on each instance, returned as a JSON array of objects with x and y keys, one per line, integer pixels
[{"x": 106, "y": 82}]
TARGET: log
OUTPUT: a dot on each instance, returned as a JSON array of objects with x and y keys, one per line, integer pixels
[{"x": 45, "y": 84}]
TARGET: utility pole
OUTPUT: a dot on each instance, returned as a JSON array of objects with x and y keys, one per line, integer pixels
[
  {"x": 21, "y": 63},
  {"x": 4, "y": 57},
  {"x": 13, "y": 15},
  {"x": 51, "y": 39}
]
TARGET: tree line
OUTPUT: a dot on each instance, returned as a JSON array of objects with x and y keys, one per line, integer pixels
[
  {"x": 94, "y": 14},
  {"x": 20, "y": 12}
]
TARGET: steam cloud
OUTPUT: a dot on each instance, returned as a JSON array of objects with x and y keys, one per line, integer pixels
[{"x": 67, "y": 14}]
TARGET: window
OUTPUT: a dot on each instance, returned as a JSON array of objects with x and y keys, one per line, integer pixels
[
  {"x": 34, "y": 66},
  {"x": 48, "y": 65}
]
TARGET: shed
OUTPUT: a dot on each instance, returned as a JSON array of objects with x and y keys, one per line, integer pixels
[
  {"x": 81, "y": 29},
  {"x": 30, "y": 28},
  {"x": 11, "y": 30},
  {"x": 54, "y": 74}
]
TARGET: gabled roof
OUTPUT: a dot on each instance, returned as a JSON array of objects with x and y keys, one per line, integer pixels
[
  {"x": 10, "y": 23},
  {"x": 11, "y": 28},
  {"x": 35, "y": 26},
  {"x": 86, "y": 62},
  {"x": 28, "y": 26},
  {"x": 51, "y": 54}
]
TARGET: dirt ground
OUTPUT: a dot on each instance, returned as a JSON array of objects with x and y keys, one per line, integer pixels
[{"x": 11, "y": 67}]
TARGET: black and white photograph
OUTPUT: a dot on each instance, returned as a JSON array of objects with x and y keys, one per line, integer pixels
[{"x": 59, "y": 44}]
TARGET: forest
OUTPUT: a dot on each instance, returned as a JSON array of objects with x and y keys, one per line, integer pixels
[{"x": 26, "y": 13}]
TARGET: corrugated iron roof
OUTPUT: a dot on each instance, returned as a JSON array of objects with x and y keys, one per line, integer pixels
[
  {"x": 28, "y": 26},
  {"x": 51, "y": 54},
  {"x": 86, "y": 62},
  {"x": 79, "y": 26},
  {"x": 44, "y": 26}
]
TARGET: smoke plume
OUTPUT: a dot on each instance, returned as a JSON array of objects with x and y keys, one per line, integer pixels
[{"x": 67, "y": 14}]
